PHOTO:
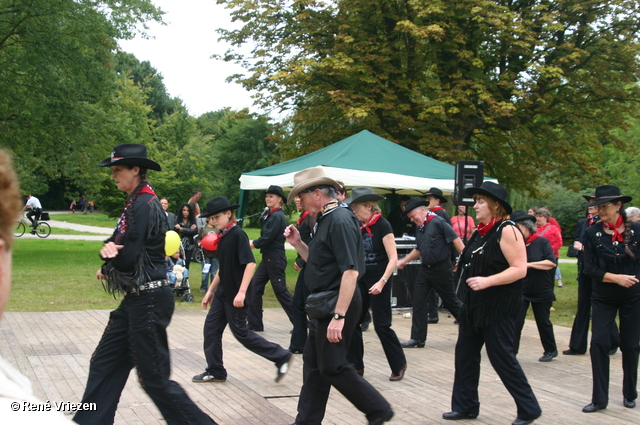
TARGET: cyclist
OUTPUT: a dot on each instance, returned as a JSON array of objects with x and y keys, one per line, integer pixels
[{"x": 36, "y": 210}]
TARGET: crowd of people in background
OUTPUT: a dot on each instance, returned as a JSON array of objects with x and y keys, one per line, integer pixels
[{"x": 486, "y": 271}]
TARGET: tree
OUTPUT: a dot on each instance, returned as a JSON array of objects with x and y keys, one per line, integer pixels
[
  {"x": 526, "y": 86},
  {"x": 62, "y": 105}
]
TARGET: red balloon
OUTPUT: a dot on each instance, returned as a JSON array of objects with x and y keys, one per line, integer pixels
[{"x": 210, "y": 242}]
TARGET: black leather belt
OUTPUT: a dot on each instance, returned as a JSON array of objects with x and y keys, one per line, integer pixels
[{"x": 150, "y": 285}]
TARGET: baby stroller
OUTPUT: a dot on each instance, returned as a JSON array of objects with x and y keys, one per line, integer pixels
[{"x": 178, "y": 276}]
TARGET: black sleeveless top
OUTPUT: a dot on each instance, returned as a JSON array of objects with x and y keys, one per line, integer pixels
[{"x": 484, "y": 257}]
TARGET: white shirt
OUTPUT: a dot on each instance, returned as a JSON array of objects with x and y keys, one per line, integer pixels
[{"x": 34, "y": 203}]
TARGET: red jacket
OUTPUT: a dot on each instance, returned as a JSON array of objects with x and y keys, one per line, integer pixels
[{"x": 552, "y": 233}]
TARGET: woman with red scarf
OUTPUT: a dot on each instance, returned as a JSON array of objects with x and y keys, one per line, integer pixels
[
  {"x": 537, "y": 287},
  {"x": 136, "y": 335},
  {"x": 375, "y": 286},
  {"x": 493, "y": 264},
  {"x": 611, "y": 260}
]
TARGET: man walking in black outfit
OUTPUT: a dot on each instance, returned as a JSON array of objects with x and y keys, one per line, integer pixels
[
  {"x": 434, "y": 237},
  {"x": 335, "y": 259}
]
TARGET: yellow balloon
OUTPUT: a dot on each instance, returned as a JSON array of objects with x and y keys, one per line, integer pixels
[{"x": 171, "y": 243}]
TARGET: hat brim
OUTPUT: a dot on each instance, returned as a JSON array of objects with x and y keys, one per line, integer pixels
[
  {"x": 309, "y": 183},
  {"x": 588, "y": 198},
  {"x": 413, "y": 207},
  {"x": 443, "y": 200},
  {"x": 365, "y": 198},
  {"x": 273, "y": 192},
  {"x": 523, "y": 218},
  {"x": 480, "y": 191},
  {"x": 132, "y": 161},
  {"x": 600, "y": 201},
  {"x": 219, "y": 210}
]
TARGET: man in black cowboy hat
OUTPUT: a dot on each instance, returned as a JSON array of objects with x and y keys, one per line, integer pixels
[
  {"x": 274, "y": 260},
  {"x": 333, "y": 264},
  {"x": 434, "y": 238}
]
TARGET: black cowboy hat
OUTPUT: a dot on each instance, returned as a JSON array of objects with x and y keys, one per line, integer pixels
[
  {"x": 363, "y": 194},
  {"x": 276, "y": 190},
  {"x": 217, "y": 205},
  {"x": 414, "y": 203},
  {"x": 434, "y": 191},
  {"x": 588, "y": 198},
  {"x": 493, "y": 191},
  {"x": 608, "y": 193},
  {"x": 132, "y": 154},
  {"x": 520, "y": 215}
]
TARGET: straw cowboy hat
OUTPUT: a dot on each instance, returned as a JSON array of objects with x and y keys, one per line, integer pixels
[
  {"x": 310, "y": 177},
  {"x": 131, "y": 154}
]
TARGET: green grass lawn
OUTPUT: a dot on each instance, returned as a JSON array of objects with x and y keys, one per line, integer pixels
[
  {"x": 93, "y": 219},
  {"x": 58, "y": 275}
]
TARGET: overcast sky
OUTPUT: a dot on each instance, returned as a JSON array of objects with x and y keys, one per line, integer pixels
[{"x": 181, "y": 52}]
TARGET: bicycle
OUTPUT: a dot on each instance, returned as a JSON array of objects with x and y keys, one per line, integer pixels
[{"x": 42, "y": 229}]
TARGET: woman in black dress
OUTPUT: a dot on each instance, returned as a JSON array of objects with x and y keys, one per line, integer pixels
[
  {"x": 494, "y": 262},
  {"x": 611, "y": 255},
  {"x": 186, "y": 227}
]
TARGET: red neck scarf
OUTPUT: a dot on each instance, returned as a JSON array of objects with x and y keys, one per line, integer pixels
[
  {"x": 266, "y": 216},
  {"x": 617, "y": 236},
  {"x": 436, "y": 208},
  {"x": 121, "y": 227},
  {"x": 304, "y": 215},
  {"x": 372, "y": 220},
  {"x": 229, "y": 227},
  {"x": 592, "y": 219},
  {"x": 532, "y": 237},
  {"x": 430, "y": 216},
  {"x": 483, "y": 229}
]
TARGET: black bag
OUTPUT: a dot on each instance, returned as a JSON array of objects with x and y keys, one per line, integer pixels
[
  {"x": 321, "y": 305},
  {"x": 572, "y": 252}
]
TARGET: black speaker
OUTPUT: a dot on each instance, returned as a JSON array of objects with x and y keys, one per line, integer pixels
[{"x": 468, "y": 174}]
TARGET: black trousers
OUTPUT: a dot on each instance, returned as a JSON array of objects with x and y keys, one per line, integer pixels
[
  {"x": 300, "y": 322},
  {"x": 439, "y": 278},
  {"x": 604, "y": 316},
  {"x": 381, "y": 315},
  {"x": 542, "y": 314},
  {"x": 498, "y": 338},
  {"x": 326, "y": 365},
  {"x": 35, "y": 212},
  {"x": 136, "y": 336},
  {"x": 221, "y": 314},
  {"x": 271, "y": 268},
  {"x": 580, "y": 329}
]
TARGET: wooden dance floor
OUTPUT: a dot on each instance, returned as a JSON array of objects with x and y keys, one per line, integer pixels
[{"x": 53, "y": 350}]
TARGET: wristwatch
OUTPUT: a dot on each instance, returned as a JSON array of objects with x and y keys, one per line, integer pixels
[
  {"x": 337, "y": 316},
  {"x": 383, "y": 279}
]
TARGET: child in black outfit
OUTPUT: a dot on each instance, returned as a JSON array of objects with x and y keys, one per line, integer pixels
[{"x": 232, "y": 296}]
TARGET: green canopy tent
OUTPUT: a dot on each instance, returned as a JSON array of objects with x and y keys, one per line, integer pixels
[{"x": 363, "y": 159}]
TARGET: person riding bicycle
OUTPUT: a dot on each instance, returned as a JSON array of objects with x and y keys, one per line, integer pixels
[{"x": 36, "y": 210}]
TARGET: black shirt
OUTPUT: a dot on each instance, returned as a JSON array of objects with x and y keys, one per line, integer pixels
[
  {"x": 602, "y": 256},
  {"x": 234, "y": 253},
  {"x": 538, "y": 284},
  {"x": 400, "y": 223},
  {"x": 374, "y": 251},
  {"x": 272, "y": 232},
  {"x": 433, "y": 241},
  {"x": 335, "y": 248}
]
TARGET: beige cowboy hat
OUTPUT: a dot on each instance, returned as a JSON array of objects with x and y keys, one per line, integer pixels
[{"x": 308, "y": 178}]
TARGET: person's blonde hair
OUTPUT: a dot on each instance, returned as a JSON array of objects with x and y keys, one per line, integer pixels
[
  {"x": 10, "y": 195},
  {"x": 496, "y": 207},
  {"x": 375, "y": 208}
]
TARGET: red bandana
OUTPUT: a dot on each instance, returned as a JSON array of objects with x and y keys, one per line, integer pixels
[
  {"x": 592, "y": 219},
  {"x": 483, "y": 229},
  {"x": 229, "y": 227},
  {"x": 532, "y": 237},
  {"x": 430, "y": 216},
  {"x": 617, "y": 236},
  {"x": 266, "y": 216},
  {"x": 436, "y": 208},
  {"x": 304, "y": 215},
  {"x": 373, "y": 220},
  {"x": 121, "y": 227}
]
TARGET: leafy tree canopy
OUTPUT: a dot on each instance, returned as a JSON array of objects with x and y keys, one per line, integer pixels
[
  {"x": 62, "y": 105},
  {"x": 527, "y": 86}
]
